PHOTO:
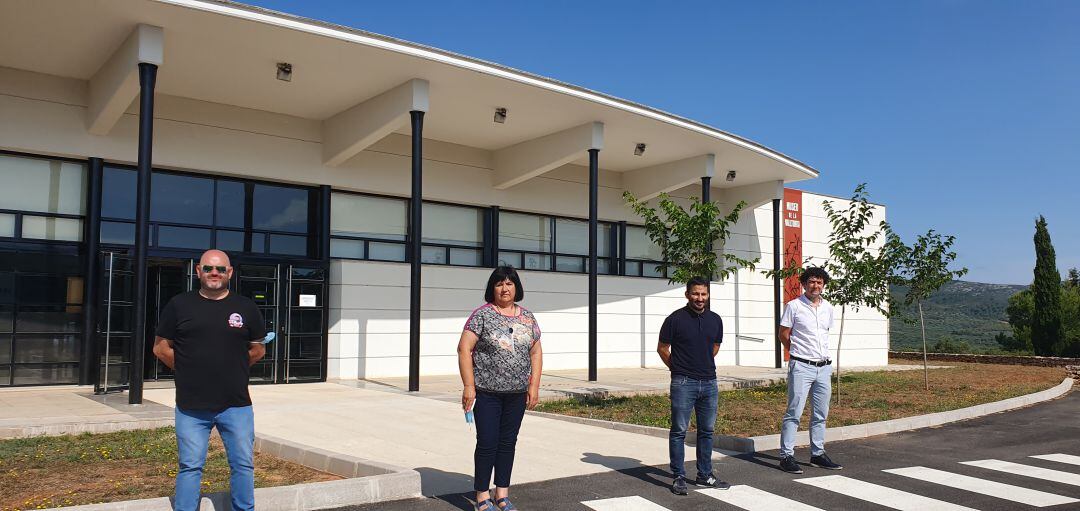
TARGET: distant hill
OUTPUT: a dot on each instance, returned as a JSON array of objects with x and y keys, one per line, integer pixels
[{"x": 962, "y": 311}]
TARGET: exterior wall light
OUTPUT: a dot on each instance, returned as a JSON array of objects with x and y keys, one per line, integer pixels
[
  {"x": 284, "y": 71},
  {"x": 639, "y": 149},
  {"x": 730, "y": 175},
  {"x": 500, "y": 115}
]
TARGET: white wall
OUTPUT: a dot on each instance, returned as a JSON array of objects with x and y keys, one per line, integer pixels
[{"x": 369, "y": 318}]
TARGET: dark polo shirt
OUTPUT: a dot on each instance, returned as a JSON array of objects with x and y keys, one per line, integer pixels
[{"x": 692, "y": 336}]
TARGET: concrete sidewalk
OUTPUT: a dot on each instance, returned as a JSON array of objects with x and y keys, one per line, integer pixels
[{"x": 380, "y": 421}]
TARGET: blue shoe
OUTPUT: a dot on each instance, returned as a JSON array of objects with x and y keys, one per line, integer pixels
[
  {"x": 505, "y": 504},
  {"x": 486, "y": 505}
]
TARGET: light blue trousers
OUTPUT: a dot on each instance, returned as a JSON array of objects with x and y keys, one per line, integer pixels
[
  {"x": 237, "y": 428},
  {"x": 804, "y": 379}
]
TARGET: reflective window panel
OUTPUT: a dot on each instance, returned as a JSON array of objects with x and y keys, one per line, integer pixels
[
  {"x": 181, "y": 199},
  {"x": 453, "y": 225},
  {"x": 59, "y": 229},
  {"x": 519, "y": 231},
  {"x": 279, "y": 208},
  {"x": 42, "y": 185},
  {"x": 368, "y": 217}
]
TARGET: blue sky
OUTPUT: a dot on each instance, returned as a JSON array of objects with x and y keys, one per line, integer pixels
[{"x": 962, "y": 115}]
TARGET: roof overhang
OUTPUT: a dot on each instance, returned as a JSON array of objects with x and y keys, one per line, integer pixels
[{"x": 225, "y": 52}]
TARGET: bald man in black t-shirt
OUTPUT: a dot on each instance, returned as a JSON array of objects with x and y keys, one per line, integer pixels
[{"x": 210, "y": 338}]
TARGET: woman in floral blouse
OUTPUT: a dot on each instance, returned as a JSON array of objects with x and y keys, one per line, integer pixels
[{"x": 500, "y": 359}]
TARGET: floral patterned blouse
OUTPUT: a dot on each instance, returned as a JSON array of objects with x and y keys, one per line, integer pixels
[{"x": 501, "y": 360}]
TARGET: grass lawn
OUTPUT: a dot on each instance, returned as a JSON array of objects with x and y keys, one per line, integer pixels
[
  {"x": 45, "y": 472},
  {"x": 866, "y": 397}
]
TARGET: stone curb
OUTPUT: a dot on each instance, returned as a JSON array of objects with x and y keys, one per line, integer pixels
[
  {"x": 772, "y": 442},
  {"x": 366, "y": 482},
  {"x": 74, "y": 428}
]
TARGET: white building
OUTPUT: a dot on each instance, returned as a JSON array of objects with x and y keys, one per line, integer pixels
[{"x": 289, "y": 143}]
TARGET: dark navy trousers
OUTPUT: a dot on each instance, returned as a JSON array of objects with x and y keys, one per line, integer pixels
[{"x": 498, "y": 419}]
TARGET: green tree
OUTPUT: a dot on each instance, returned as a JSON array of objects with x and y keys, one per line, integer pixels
[
  {"x": 685, "y": 237},
  {"x": 949, "y": 345},
  {"x": 1020, "y": 311},
  {"x": 1074, "y": 277},
  {"x": 859, "y": 271},
  {"x": 1047, "y": 334},
  {"x": 925, "y": 268}
]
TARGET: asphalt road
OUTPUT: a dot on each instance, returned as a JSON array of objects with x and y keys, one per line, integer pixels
[{"x": 1011, "y": 438}]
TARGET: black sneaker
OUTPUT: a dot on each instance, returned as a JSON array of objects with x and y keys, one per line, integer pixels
[
  {"x": 678, "y": 486},
  {"x": 710, "y": 481},
  {"x": 789, "y": 465},
  {"x": 823, "y": 461}
]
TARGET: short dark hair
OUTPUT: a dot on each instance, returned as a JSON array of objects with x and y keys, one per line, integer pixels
[
  {"x": 814, "y": 271},
  {"x": 500, "y": 274},
  {"x": 696, "y": 281}
]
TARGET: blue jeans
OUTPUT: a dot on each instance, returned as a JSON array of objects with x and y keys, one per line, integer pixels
[
  {"x": 688, "y": 394},
  {"x": 237, "y": 428},
  {"x": 806, "y": 379},
  {"x": 498, "y": 419}
]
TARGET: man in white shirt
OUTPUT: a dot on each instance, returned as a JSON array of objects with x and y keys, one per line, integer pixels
[{"x": 804, "y": 331}]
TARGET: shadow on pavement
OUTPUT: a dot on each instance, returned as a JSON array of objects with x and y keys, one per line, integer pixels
[
  {"x": 630, "y": 466},
  {"x": 764, "y": 460}
]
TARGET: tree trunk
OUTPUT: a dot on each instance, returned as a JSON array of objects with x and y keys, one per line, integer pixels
[
  {"x": 839, "y": 343},
  {"x": 925, "y": 369}
]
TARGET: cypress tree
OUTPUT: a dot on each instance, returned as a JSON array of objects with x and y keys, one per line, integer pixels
[{"x": 1047, "y": 332}]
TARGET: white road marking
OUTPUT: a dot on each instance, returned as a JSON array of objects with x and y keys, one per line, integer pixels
[
  {"x": 1060, "y": 458},
  {"x": 881, "y": 495},
  {"x": 753, "y": 499},
  {"x": 992, "y": 488},
  {"x": 1047, "y": 474},
  {"x": 633, "y": 503}
]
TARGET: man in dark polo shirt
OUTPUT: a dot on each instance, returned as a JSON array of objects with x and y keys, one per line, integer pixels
[
  {"x": 211, "y": 337},
  {"x": 689, "y": 340}
]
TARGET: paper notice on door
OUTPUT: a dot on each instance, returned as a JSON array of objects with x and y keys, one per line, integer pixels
[{"x": 308, "y": 301}]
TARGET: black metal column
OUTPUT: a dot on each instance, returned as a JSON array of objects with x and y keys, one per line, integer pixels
[
  {"x": 706, "y": 196},
  {"x": 777, "y": 356},
  {"x": 622, "y": 248},
  {"x": 147, "y": 82},
  {"x": 594, "y": 155},
  {"x": 415, "y": 232},
  {"x": 324, "y": 223},
  {"x": 91, "y": 233}
]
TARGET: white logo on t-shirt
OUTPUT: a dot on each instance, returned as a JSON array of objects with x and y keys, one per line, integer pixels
[{"x": 236, "y": 320}]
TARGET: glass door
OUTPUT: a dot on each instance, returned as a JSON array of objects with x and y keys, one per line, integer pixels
[
  {"x": 167, "y": 278},
  {"x": 116, "y": 320},
  {"x": 292, "y": 300}
]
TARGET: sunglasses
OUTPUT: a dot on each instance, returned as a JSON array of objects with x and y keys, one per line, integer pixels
[{"x": 206, "y": 268}]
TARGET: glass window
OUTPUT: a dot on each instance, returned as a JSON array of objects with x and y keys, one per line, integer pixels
[
  {"x": 288, "y": 245},
  {"x": 6, "y": 314},
  {"x": 5, "y": 352},
  {"x": 230, "y": 241},
  {"x": 639, "y": 246},
  {"x": 350, "y": 249},
  {"x": 183, "y": 237},
  {"x": 49, "y": 318},
  {"x": 565, "y": 263},
  {"x": 7, "y": 225},
  {"x": 52, "y": 348},
  {"x": 510, "y": 259},
  {"x": 49, "y": 289},
  {"x": 537, "y": 262},
  {"x": 524, "y": 232},
  {"x": 118, "y": 190},
  {"x": 368, "y": 217},
  {"x": 466, "y": 257},
  {"x": 258, "y": 242},
  {"x": 433, "y": 255},
  {"x": 277, "y": 208},
  {"x": 453, "y": 225},
  {"x": 572, "y": 237},
  {"x": 181, "y": 199},
  {"x": 386, "y": 251},
  {"x": 44, "y": 186},
  {"x": 60, "y": 229},
  {"x": 7, "y": 287},
  {"x": 46, "y": 374},
  {"x": 117, "y": 233},
  {"x": 230, "y": 204}
]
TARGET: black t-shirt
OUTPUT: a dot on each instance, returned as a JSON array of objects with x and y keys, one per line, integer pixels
[
  {"x": 692, "y": 336},
  {"x": 211, "y": 340}
]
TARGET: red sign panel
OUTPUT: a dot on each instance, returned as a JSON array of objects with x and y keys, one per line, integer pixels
[{"x": 793, "y": 236}]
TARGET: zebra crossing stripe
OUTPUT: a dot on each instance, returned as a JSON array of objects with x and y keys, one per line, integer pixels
[
  {"x": 1047, "y": 474},
  {"x": 881, "y": 495},
  {"x": 632, "y": 503},
  {"x": 1060, "y": 458},
  {"x": 992, "y": 488},
  {"x": 753, "y": 499}
]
